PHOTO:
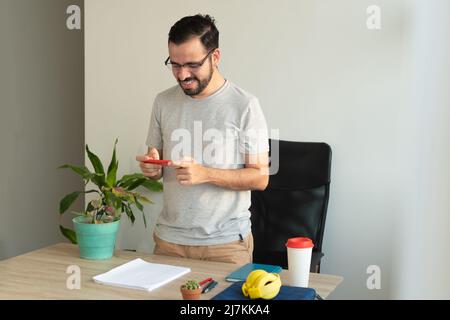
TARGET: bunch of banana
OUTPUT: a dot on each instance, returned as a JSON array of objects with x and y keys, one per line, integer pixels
[{"x": 261, "y": 284}]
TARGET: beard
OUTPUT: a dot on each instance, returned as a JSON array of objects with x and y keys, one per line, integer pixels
[{"x": 201, "y": 84}]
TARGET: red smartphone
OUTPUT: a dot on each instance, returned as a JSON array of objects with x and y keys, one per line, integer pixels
[{"x": 160, "y": 162}]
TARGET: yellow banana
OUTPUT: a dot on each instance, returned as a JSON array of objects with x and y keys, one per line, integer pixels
[
  {"x": 254, "y": 289},
  {"x": 251, "y": 279},
  {"x": 254, "y": 275},
  {"x": 266, "y": 286},
  {"x": 261, "y": 284}
]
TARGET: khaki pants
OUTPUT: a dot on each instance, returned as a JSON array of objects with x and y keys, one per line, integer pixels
[{"x": 240, "y": 252}]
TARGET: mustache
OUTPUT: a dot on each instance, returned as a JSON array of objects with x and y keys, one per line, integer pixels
[{"x": 188, "y": 79}]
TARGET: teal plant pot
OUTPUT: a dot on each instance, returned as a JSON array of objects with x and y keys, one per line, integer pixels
[{"x": 96, "y": 241}]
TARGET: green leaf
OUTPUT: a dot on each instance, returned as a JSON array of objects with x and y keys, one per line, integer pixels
[
  {"x": 141, "y": 208},
  {"x": 136, "y": 183},
  {"x": 129, "y": 212},
  {"x": 123, "y": 194},
  {"x": 138, "y": 204},
  {"x": 82, "y": 171},
  {"x": 69, "y": 199},
  {"x": 153, "y": 185},
  {"x": 145, "y": 219},
  {"x": 96, "y": 163},
  {"x": 115, "y": 201},
  {"x": 128, "y": 178},
  {"x": 108, "y": 199},
  {"x": 143, "y": 198},
  {"x": 112, "y": 169},
  {"x": 98, "y": 179},
  {"x": 69, "y": 234}
]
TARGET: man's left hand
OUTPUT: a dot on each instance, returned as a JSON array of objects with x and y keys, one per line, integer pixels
[{"x": 189, "y": 172}]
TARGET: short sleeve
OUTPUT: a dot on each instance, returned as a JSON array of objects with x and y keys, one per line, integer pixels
[
  {"x": 154, "y": 136},
  {"x": 253, "y": 137}
]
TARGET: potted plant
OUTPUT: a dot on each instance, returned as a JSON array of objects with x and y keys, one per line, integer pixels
[
  {"x": 96, "y": 227},
  {"x": 191, "y": 290}
]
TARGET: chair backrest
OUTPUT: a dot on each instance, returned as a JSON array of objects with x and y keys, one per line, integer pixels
[{"x": 295, "y": 202}]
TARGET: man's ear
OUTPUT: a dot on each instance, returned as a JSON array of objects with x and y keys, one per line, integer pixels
[{"x": 216, "y": 57}]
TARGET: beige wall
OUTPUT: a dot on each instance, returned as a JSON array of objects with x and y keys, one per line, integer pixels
[
  {"x": 41, "y": 120},
  {"x": 320, "y": 75}
]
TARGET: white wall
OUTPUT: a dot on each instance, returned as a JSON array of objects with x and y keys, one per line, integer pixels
[
  {"x": 422, "y": 270},
  {"x": 320, "y": 75}
]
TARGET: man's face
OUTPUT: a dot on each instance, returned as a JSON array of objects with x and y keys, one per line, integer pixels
[{"x": 192, "y": 80}]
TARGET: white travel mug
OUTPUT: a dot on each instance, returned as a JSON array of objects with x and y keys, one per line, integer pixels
[{"x": 299, "y": 252}]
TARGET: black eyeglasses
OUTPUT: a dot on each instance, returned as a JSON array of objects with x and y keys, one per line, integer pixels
[{"x": 192, "y": 66}]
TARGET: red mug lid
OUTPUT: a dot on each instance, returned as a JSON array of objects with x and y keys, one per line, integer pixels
[{"x": 299, "y": 242}]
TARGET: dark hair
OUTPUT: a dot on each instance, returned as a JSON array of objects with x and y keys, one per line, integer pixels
[{"x": 201, "y": 26}]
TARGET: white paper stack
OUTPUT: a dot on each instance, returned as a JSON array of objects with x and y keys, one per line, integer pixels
[{"x": 142, "y": 275}]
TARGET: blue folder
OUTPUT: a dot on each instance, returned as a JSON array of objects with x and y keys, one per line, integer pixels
[
  {"x": 234, "y": 292},
  {"x": 242, "y": 273}
]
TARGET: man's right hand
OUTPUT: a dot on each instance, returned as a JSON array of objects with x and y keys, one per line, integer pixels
[{"x": 153, "y": 171}]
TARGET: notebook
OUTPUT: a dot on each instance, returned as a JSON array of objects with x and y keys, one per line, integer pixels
[
  {"x": 242, "y": 273},
  {"x": 142, "y": 275},
  {"x": 234, "y": 292}
]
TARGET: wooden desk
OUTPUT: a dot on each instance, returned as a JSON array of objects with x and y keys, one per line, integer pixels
[{"x": 41, "y": 274}]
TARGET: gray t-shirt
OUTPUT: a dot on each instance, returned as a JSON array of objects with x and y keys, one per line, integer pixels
[{"x": 216, "y": 131}]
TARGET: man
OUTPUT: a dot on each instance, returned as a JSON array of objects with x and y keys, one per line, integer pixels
[{"x": 215, "y": 135}]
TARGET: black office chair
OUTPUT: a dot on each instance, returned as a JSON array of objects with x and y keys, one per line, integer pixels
[{"x": 295, "y": 202}]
